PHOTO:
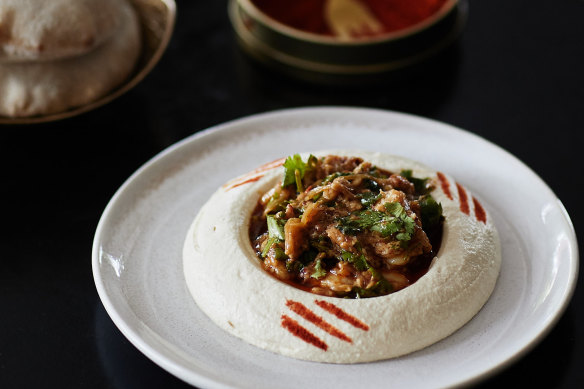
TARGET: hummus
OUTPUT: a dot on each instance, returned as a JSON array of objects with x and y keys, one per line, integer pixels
[{"x": 226, "y": 277}]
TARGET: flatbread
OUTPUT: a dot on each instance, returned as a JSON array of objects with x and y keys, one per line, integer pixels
[
  {"x": 227, "y": 282},
  {"x": 37, "y": 88},
  {"x": 51, "y": 29}
]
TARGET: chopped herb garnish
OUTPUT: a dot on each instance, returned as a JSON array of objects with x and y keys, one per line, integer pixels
[
  {"x": 372, "y": 185},
  {"x": 374, "y": 172},
  {"x": 318, "y": 270},
  {"x": 270, "y": 242},
  {"x": 298, "y": 180},
  {"x": 294, "y": 266},
  {"x": 308, "y": 256},
  {"x": 316, "y": 197},
  {"x": 368, "y": 198},
  {"x": 275, "y": 227},
  {"x": 331, "y": 177},
  {"x": 404, "y": 224},
  {"x": 381, "y": 287},
  {"x": 431, "y": 211},
  {"x": 359, "y": 261},
  {"x": 280, "y": 255},
  {"x": 295, "y": 170},
  {"x": 420, "y": 184},
  {"x": 342, "y": 223},
  {"x": 397, "y": 222},
  {"x": 320, "y": 246}
]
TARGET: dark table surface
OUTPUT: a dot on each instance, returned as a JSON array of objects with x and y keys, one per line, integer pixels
[{"x": 516, "y": 78}]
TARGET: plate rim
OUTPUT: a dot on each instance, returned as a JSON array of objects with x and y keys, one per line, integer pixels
[{"x": 192, "y": 377}]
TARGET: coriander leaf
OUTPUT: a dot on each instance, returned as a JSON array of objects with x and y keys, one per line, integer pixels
[
  {"x": 308, "y": 256},
  {"x": 348, "y": 226},
  {"x": 387, "y": 227},
  {"x": 359, "y": 261},
  {"x": 431, "y": 211},
  {"x": 318, "y": 270},
  {"x": 292, "y": 164},
  {"x": 381, "y": 287},
  {"x": 295, "y": 169},
  {"x": 420, "y": 184},
  {"x": 397, "y": 221},
  {"x": 372, "y": 185},
  {"x": 280, "y": 254},
  {"x": 409, "y": 224},
  {"x": 275, "y": 228},
  {"x": 368, "y": 198},
  {"x": 311, "y": 163},
  {"x": 395, "y": 209},
  {"x": 406, "y": 223},
  {"x": 294, "y": 266},
  {"x": 403, "y": 236},
  {"x": 360, "y": 221},
  {"x": 320, "y": 246}
]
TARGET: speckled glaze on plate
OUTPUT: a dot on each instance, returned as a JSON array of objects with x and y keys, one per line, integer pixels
[
  {"x": 157, "y": 19},
  {"x": 137, "y": 252}
]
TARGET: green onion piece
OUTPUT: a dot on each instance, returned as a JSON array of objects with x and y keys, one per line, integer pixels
[{"x": 270, "y": 242}]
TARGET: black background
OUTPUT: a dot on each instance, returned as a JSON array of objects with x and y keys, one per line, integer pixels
[{"x": 516, "y": 78}]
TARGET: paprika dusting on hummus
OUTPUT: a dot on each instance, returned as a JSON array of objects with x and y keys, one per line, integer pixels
[{"x": 340, "y": 226}]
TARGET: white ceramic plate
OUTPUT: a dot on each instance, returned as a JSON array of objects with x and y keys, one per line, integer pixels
[{"x": 137, "y": 262}]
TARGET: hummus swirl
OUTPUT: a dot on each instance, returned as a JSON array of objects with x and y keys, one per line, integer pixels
[{"x": 228, "y": 282}]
